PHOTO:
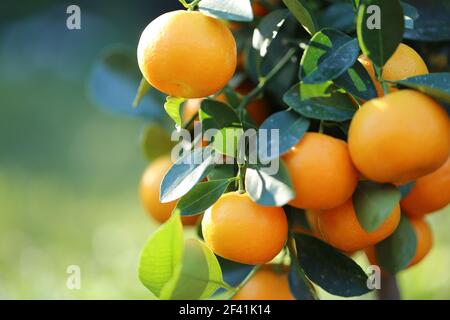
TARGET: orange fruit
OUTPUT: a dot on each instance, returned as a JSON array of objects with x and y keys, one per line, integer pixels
[
  {"x": 322, "y": 172},
  {"x": 424, "y": 243},
  {"x": 404, "y": 63},
  {"x": 340, "y": 228},
  {"x": 187, "y": 54},
  {"x": 400, "y": 137},
  {"x": 429, "y": 193},
  {"x": 424, "y": 240},
  {"x": 149, "y": 191},
  {"x": 266, "y": 284},
  {"x": 238, "y": 229}
]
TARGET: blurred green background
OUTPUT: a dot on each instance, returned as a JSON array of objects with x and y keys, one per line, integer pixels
[{"x": 69, "y": 172}]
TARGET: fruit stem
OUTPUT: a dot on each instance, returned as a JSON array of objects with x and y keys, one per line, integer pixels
[
  {"x": 187, "y": 124},
  {"x": 379, "y": 74},
  {"x": 263, "y": 81},
  {"x": 193, "y": 4},
  {"x": 241, "y": 177},
  {"x": 245, "y": 281}
]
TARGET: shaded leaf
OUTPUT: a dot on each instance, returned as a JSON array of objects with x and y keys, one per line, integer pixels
[
  {"x": 374, "y": 202},
  {"x": 397, "y": 251},
  {"x": 380, "y": 27},
  {"x": 330, "y": 269},
  {"x": 228, "y": 9},
  {"x": 436, "y": 85},
  {"x": 291, "y": 128}
]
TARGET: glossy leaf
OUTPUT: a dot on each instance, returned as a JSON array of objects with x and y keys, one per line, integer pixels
[
  {"x": 197, "y": 277},
  {"x": 186, "y": 173},
  {"x": 432, "y": 21},
  {"x": 380, "y": 27},
  {"x": 202, "y": 196},
  {"x": 228, "y": 141},
  {"x": 299, "y": 284},
  {"x": 269, "y": 190},
  {"x": 303, "y": 14},
  {"x": 267, "y": 30},
  {"x": 173, "y": 109},
  {"x": 374, "y": 202},
  {"x": 161, "y": 255},
  {"x": 320, "y": 101},
  {"x": 330, "y": 269},
  {"x": 228, "y": 9},
  {"x": 217, "y": 115},
  {"x": 436, "y": 85},
  {"x": 396, "y": 252},
  {"x": 357, "y": 81},
  {"x": 339, "y": 15},
  {"x": 291, "y": 127},
  {"x": 329, "y": 54}
]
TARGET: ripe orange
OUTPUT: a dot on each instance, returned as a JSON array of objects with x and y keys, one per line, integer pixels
[
  {"x": 187, "y": 54},
  {"x": 266, "y": 284},
  {"x": 241, "y": 230},
  {"x": 340, "y": 228},
  {"x": 404, "y": 63},
  {"x": 322, "y": 172},
  {"x": 149, "y": 190},
  {"x": 424, "y": 243},
  {"x": 400, "y": 137},
  {"x": 429, "y": 193},
  {"x": 424, "y": 240}
]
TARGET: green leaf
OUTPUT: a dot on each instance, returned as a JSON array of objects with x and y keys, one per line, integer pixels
[
  {"x": 397, "y": 251},
  {"x": 173, "y": 107},
  {"x": 227, "y": 141},
  {"x": 198, "y": 276},
  {"x": 291, "y": 128},
  {"x": 432, "y": 22},
  {"x": 223, "y": 171},
  {"x": 320, "y": 101},
  {"x": 329, "y": 54},
  {"x": 217, "y": 115},
  {"x": 302, "y": 14},
  {"x": 339, "y": 16},
  {"x": 330, "y": 269},
  {"x": 436, "y": 85},
  {"x": 228, "y": 9},
  {"x": 161, "y": 255},
  {"x": 186, "y": 173},
  {"x": 410, "y": 15},
  {"x": 144, "y": 87},
  {"x": 155, "y": 141},
  {"x": 269, "y": 190},
  {"x": 356, "y": 81},
  {"x": 267, "y": 30},
  {"x": 298, "y": 283},
  {"x": 406, "y": 188},
  {"x": 233, "y": 272},
  {"x": 380, "y": 31},
  {"x": 113, "y": 82},
  {"x": 202, "y": 196},
  {"x": 374, "y": 202}
]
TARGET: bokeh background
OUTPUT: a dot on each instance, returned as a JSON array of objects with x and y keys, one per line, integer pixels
[{"x": 69, "y": 170}]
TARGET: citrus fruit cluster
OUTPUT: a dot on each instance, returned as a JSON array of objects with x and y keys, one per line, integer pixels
[{"x": 400, "y": 138}]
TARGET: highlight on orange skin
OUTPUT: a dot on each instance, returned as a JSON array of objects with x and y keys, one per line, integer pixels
[
  {"x": 238, "y": 229},
  {"x": 322, "y": 173}
]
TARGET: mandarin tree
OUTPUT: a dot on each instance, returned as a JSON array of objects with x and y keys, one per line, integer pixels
[{"x": 295, "y": 139}]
